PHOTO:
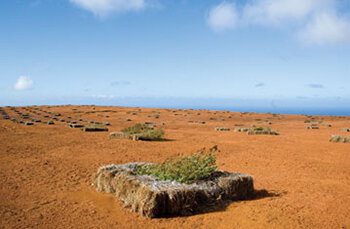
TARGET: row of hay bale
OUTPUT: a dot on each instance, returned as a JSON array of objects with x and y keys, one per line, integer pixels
[
  {"x": 91, "y": 126},
  {"x": 315, "y": 126},
  {"x": 23, "y": 117},
  {"x": 31, "y": 123},
  {"x": 250, "y": 131}
]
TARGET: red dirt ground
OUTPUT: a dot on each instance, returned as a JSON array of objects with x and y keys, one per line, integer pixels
[{"x": 45, "y": 171}]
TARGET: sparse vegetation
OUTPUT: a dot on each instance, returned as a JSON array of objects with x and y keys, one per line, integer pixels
[
  {"x": 187, "y": 169},
  {"x": 144, "y": 132}
]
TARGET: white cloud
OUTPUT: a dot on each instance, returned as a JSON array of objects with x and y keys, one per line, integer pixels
[
  {"x": 23, "y": 83},
  {"x": 223, "y": 16},
  {"x": 105, "y": 7},
  {"x": 326, "y": 28},
  {"x": 313, "y": 21},
  {"x": 272, "y": 12}
]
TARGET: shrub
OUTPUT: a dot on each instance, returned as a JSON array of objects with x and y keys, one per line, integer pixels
[
  {"x": 144, "y": 132},
  {"x": 187, "y": 169}
]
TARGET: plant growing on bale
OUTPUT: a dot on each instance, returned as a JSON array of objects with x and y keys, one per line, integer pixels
[
  {"x": 186, "y": 170},
  {"x": 144, "y": 132}
]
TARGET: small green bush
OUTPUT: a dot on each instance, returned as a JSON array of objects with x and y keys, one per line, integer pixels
[
  {"x": 144, "y": 132},
  {"x": 187, "y": 169}
]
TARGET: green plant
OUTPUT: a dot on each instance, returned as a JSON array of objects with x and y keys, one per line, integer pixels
[
  {"x": 144, "y": 132},
  {"x": 187, "y": 169}
]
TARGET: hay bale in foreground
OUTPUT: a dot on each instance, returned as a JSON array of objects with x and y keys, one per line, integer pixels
[
  {"x": 338, "y": 138},
  {"x": 152, "y": 197}
]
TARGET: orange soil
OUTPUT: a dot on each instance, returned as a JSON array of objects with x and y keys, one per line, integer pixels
[{"x": 45, "y": 171}]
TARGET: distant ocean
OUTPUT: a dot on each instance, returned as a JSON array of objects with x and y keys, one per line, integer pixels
[
  {"x": 313, "y": 107},
  {"x": 301, "y": 111}
]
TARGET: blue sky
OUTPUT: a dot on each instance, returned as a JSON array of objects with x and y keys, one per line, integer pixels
[{"x": 288, "y": 52}]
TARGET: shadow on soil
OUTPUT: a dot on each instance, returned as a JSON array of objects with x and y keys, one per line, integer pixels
[
  {"x": 257, "y": 195},
  {"x": 263, "y": 193}
]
